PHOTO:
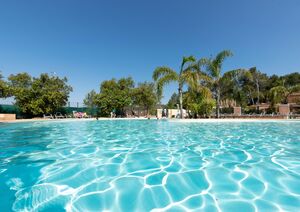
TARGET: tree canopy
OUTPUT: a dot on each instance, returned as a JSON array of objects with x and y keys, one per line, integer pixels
[
  {"x": 144, "y": 95},
  {"x": 114, "y": 96},
  {"x": 173, "y": 101},
  {"x": 4, "y": 89},
  {"x": 117, "y": 95},
  {"x": 41, "y": 95}
]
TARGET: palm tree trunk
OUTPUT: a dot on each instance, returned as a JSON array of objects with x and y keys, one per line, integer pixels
[
  {"x": 257, "y": 88},
  {"x": 218, "y": 103},
  {"x": 180, "y": 101}
]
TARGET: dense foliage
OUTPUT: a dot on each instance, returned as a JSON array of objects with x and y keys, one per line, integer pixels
[
  {"x": 114, "y": 96},
  {"x": 117, "y": 95},
  {"x": 239, "y": 87},
  {"x": 41, "y": 95},
  {"x": 144, "y": 96},
  {"x": 4, "y": 89},
  {"x": 173, "y": 101},
  {"x": 89, "y": 102},
  {"x": 199, "y": 103}
]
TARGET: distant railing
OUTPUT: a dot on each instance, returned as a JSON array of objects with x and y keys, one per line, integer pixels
[
  {"x": 75, "y": 104},
  {"x": 8, "y": 101}
]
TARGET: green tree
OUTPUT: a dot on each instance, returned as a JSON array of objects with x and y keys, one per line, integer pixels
[
  {"x": 4, "y": 89},
  {"x": 277, "y": 95},
  {"x": 173, "y": 101},
  {"x": 290, "y": 80},
  {"x": 214, "y": 71},
  {"x": 199, "y": 102},
  {"x": 20, "y": 87},
  {"x": 274, "y": 81},
  {"x": 90, "y": 102},
  {"x": 144, "y": 95},
  {"x": 37, "y": 96},
  {"x": 114, "y": 96},
  {"x": 259, "y": 82},
  {"x": 164, "y": 75},
  {"x": 232, "y": 84}
]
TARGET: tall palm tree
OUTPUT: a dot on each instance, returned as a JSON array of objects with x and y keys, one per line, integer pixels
[
  {"x": 213, "y": 69},
  {"x": 164, "y": 75}
]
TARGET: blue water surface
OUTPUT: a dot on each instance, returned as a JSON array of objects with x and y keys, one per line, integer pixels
[{"x": 144, "y": 165}]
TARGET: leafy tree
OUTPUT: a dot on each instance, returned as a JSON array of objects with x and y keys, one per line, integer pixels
[
  {"x": 274, "y": 81},
  {"x": 199, "y": 102},
  {"x": 214, "y": 71},
  {"x": 90, "y": 98},
  {"x": 173, "y": 101},
  {"x": 291, "y": 80},
  {"x": 20, "y": 87},
  {"x": 4, "y": 89},
  {"x": 37, "y": 96},
  {"x": 164, "y": 75},
  {"x": 115, "y": 96},
  {"x": 232, "y": 84},
  {"x": 258, "y": 81},
  {"x": 279, "y": 94},
  {"x": 90, "y": 102},
  {"x": 144, "y": 95}
]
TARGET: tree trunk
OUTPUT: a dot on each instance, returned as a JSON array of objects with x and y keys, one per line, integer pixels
[
  {"x": 257, "y": 89},
  {"x": 180, "y": 101},
  {"x": 218, "y": 103}
]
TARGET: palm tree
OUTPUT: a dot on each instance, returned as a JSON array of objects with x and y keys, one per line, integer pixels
[
  {"x": 163, "y": 75},
  {"x": 279, "y": 94},
  {"x": 213, "y": 69}
]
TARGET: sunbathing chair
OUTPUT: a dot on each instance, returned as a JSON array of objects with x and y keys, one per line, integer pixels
[
  {"x": 58, "y": 115},
  {"x": 48, "y": 116}
]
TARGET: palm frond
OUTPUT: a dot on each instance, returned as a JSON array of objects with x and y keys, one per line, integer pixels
[
  {"x": 166, "y": 79},
  {"x": 191, "y": 78},
  {"x": 211, "y": 69},
  {"x": 221, "y": 57},
  {"x": 185, "y": 60},
  {"x": 295, "y": 88},
  {"x": 205, "y": 92},
  {"x": 203, "y": 62},
  {"x": 162, "y": 71},
  {"x": 188, "y": 59}
]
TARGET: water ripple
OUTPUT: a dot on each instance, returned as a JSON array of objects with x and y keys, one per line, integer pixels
[{"x": 150, "y": 166}]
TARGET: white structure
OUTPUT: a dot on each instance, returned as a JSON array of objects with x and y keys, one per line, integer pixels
[{"x": 170, "y": 113}]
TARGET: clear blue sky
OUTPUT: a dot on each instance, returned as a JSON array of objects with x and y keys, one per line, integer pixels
[{"x": 90, "y": 41}]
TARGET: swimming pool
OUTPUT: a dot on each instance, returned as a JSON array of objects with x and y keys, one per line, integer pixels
[{"x": 143, "y": 165}]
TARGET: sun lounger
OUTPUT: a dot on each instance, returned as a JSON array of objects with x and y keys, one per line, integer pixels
[
  {"x": 58, "y": 115},
  {"x": 48, "y": 116}
]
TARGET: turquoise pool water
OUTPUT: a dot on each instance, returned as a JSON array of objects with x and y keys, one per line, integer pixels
[{"x": 148, "y": 165}]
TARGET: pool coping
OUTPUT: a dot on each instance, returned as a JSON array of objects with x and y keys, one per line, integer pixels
[
  {"x": 232, "y": 120},
  {"x": 65, "y": 120},
  {"x": 170, "y": 120}
]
